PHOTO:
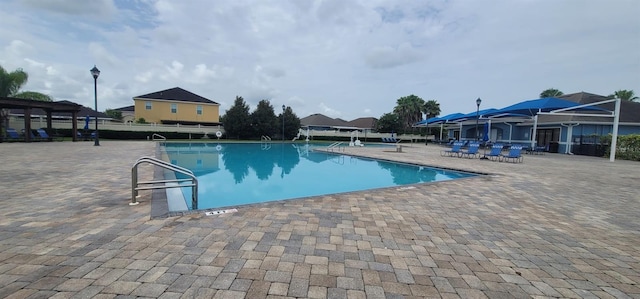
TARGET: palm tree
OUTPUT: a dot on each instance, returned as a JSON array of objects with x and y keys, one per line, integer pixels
[
  {"x": 551, "y": 93},
  {"x": 431, "y": 108},
  {"x": 10, "y": 85},
  {"x": 409, "y": 110},
  {"x": 625, "y": 95}
]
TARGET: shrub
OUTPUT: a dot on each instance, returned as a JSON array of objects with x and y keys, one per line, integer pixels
[{"x": 627, "y": 146}]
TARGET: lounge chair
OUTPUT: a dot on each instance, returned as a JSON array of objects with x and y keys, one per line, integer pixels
[
  {"x": 472, "y": 152},
  {"x": 536, "y": 150},
  {"x": 32, "y": 136},
  {"x": 389, "y": 139},
  {"x": 514, "y": 155},
  {"x": 12, "y": 135},
  {"x": 495, "y": 153},
  {"x": 86, "y": 136},
  {"x": 454, "y": 151},
  {"x": 43, "y": 135}
]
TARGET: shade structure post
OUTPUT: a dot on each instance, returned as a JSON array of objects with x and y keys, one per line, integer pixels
[
  {"x": 478, "y": 101},
  {"x": 614, "y": 137},
  {"x": 535, "y": 129}
]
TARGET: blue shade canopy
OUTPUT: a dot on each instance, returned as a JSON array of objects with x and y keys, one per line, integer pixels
[
  {"x": 435, "y": 120},
  {"x": 447, "y": 118},
  {"x": 472, "y": 115},
  {"x": 532, "y": 107}
]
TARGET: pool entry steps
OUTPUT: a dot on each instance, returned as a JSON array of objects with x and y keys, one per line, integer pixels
[{"x": 163, "y": 184}]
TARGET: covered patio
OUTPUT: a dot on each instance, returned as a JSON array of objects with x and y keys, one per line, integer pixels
[{"x": 48, "y": 107}]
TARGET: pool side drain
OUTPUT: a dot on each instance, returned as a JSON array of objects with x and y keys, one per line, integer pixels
[{"x": 220, "y": 212}]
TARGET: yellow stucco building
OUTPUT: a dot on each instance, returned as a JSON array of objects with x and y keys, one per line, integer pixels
[{"x": 176, "y": 105}]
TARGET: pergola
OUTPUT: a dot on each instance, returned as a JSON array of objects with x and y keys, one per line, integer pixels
[{"x": 48, "y": 107}]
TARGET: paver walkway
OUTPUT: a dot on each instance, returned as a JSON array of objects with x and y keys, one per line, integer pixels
[{"x": 554, "y": 226}]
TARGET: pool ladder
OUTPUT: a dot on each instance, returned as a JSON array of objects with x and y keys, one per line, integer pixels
[
  {"x": 335, "y": 145},
  {"x": 163, "y": 184},
  {"x": 156, "y": 137}
]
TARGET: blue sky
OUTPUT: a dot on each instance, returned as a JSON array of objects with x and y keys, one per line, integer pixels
[{"x": 344, "y": 59}]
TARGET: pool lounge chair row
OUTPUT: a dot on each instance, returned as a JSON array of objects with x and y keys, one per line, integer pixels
[
  {"x": 457, "y": 151},
  {"x": 13, "y": 135},
  {"x": 514, "y": 155}
]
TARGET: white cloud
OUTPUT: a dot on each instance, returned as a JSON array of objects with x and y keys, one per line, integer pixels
[
  {"x": 328, "y": 111},
  {"x": 344, "y": 59},
  {"x": 387, "y": 57},
  {"x": 78, "y": 7},
  {"x": 144, "y": 77},
  {"x": 100, "y": 53}
]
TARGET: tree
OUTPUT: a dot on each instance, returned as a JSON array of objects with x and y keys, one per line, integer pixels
[
  {"x": 263, "y": 120},
  {"x": 625, "y": 95},
  {"x": 115, "y": 114},
  {"x": 291, "y": 123},
  {"x": 10, "y": 85},
  {"x": 32, "y": 95},
  {"x": 409, "y": 110},
  {"x": 551, "y": 93},
  {"x": 389, "y": 122},
  {"x": 237, "y": 121},
  {"x": 431, "y": 108}
]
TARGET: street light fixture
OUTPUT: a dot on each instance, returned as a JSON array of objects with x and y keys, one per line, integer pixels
[
  {"x": 95, "y": 72},
  {"x": 283, "y": 108},
  {"x": 478, "y": 101}
]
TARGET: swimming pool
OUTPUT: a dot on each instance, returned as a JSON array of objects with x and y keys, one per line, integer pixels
[{"x": 232, "y": 174}]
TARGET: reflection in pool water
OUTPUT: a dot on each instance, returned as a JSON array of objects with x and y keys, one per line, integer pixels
[{"x": 233, "y": 174}]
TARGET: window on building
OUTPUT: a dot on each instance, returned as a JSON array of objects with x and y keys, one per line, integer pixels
[
  {"x": 174, "y": 108},
  {"x": 199, "y": 110},
  {"x": 147, "y": 105}
]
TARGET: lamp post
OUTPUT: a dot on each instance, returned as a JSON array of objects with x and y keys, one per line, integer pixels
[
  {"x": 478, "y": 101},
  {"x": 95, "y": 72},
  {"x": 283, "y": 108}
]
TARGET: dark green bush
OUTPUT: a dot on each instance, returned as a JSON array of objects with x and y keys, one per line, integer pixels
[{"x": 627, "y": 146}]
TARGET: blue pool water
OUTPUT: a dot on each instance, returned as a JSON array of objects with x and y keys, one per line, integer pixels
[{"x": 231, "y": 174}]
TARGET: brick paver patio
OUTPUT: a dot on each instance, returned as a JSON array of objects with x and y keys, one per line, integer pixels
[{"x": 554, "y": 226}]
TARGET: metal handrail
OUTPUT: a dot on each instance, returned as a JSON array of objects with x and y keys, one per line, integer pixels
[
  {"x": 334, "y": 145},
  {"x": 166, "y": 165},
  {"x": 265, "y": 138},
  {"x": 160, "y": 137}
]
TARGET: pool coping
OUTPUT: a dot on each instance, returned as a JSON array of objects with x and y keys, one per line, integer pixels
[{"x": 160, "y": 204}]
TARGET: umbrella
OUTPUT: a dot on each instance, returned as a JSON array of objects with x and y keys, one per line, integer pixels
[
  {"x": 485, "y": 134},
  {"x": 86, "y": 122},
  {"x": 485, "y": 138}
]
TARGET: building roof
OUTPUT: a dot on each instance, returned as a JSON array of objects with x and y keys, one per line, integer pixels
[
  {"x": 364, "y": 122},
  {"x": 320, "y": 120},
  {"x": 126, "y": 109},
  {"x": 629, "y": 111},
  {"x": 176, "y": 94}
]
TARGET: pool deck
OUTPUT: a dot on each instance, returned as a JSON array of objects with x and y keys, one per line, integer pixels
[{"x": 554, "y": 226}]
